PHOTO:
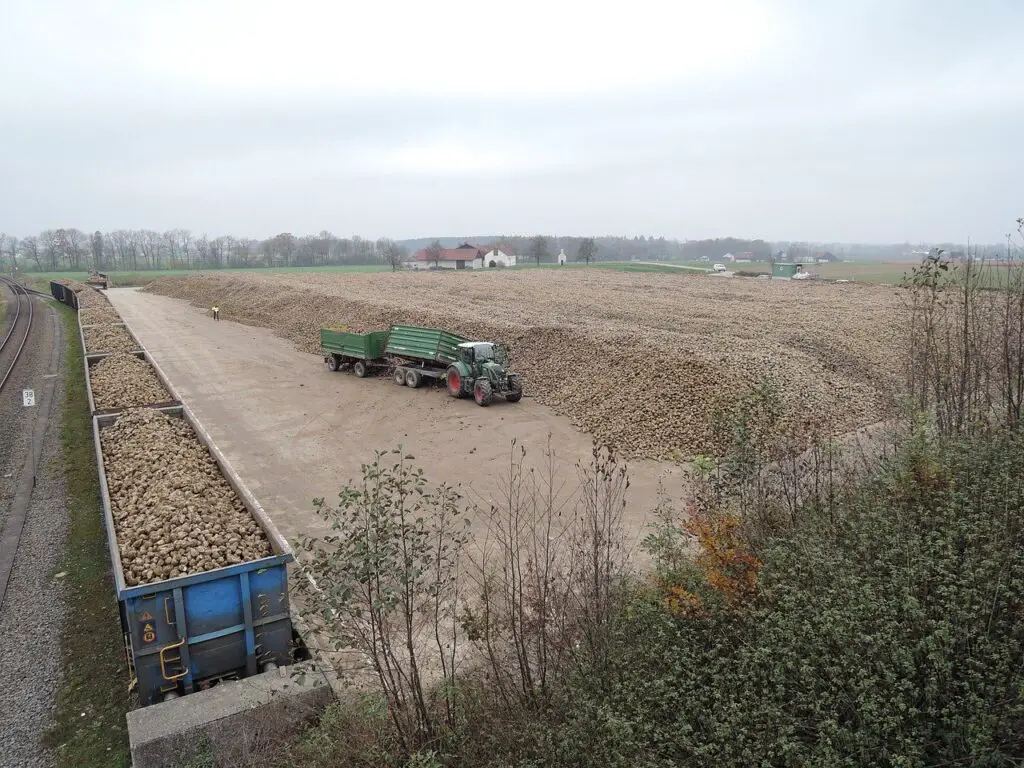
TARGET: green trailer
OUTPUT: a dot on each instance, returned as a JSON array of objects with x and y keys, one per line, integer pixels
[
  {"x": 468, "y": 368},
  {"x": 427, "y": 345},
  {"x": 361, "y": 351}
]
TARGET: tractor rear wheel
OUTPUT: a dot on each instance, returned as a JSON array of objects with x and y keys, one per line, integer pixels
[
  {"x": 453, "y": 380},
  {"x": 359, "y": 369},
  {"x": 412, "y": 379},
  {"x": 399, "y": 377},
  {"x": 332, "y": 363},
  {"x": 482, "y": 392}
]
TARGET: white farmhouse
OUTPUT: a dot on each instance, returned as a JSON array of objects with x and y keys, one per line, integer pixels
[{"x": 493, "y": 258}]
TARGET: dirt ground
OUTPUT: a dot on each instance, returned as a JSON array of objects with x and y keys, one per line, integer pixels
[{"x": 294, "y": 430}]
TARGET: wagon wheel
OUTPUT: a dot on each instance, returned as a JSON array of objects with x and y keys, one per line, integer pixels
[
  {"x": 399, "y": 377},
  {"x": 332, "y": 363},
  {"x": 412, "y": 379},
  {"x": 359, "y": 368}
]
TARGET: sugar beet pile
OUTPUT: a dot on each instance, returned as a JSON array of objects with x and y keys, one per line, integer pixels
[
  {"x": 174, "y": 512},
  {"x": 641, "y": 361}
]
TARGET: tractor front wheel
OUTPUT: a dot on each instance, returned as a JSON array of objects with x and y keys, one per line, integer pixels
[
  {"x": 515, "y": 391},
  {"x": 482, "y": 392}
]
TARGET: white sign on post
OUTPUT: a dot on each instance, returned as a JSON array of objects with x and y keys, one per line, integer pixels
[{"x": 28, "y": 397}]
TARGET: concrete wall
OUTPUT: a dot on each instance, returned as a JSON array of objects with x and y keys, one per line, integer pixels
[{"x": 232, "y": 722}]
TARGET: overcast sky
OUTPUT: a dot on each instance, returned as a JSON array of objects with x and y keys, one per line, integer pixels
[{"x": 852, "y": 120}]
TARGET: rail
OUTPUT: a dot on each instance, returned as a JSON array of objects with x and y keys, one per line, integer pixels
[{"x": 19, "y": 292}]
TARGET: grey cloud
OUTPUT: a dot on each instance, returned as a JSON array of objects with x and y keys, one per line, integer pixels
[{"x": 873, "y": 121}]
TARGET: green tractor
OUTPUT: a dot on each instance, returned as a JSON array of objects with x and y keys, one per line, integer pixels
[{"x": 481, "y": 370}]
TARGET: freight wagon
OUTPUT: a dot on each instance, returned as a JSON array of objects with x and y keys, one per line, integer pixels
[
  {"x": 185, "y": 633},
  {"x": 92, "y": 360},
  {"x": 92, "y": 355},
  {"x": 63, "y": 294}
]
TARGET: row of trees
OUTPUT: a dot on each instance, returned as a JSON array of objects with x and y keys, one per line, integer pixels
[{"x": 136, "y": 250}]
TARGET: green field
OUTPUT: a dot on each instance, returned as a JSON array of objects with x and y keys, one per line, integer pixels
[
  {"x": 623, "y": 266},
  {"x": 888, "y": 273}
]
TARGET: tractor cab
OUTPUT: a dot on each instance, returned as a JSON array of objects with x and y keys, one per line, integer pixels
[
  {"x": 482, "y": 370},
  {"x": 476, "y": 353}
]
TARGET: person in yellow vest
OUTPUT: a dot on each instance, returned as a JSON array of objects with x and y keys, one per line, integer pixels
[{"x": 216, "y": 313}]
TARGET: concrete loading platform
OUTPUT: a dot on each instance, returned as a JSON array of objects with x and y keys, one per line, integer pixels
[{"x": 230, "y": 721}]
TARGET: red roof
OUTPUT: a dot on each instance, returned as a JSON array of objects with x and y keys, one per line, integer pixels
[{"x": 450, "y": 254}]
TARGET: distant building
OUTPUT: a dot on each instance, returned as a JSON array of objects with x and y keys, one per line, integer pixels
[
  {"x": 562, "y": 258},
  {"x": 466, "y": 256},
  {"x": 745, "y": 256},
  {"x": 782, "y": 271},
  {"x": 496, "y": 257}
]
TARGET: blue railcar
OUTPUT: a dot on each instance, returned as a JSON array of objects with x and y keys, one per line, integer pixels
[{"x": 185, "y": 633}]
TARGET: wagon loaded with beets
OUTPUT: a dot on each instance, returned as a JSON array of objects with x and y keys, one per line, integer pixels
[{"x": 415, "y": 355}]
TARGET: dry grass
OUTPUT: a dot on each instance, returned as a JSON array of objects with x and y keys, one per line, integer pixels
[{"x": 641, "y": 361}]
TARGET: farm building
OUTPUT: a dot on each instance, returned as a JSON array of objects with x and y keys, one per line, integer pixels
[
  {"x": 466, "y": 256},
  {"x": 786, "y": 271}
]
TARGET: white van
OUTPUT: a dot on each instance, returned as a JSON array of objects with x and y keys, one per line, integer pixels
[{"x": 719, "y": 267}]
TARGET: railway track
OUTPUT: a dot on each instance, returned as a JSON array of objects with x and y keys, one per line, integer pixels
[{"x": 15, "y": 341}]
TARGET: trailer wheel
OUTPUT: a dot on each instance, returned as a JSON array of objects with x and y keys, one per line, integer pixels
[
  {"x": 359, "y": 369},
  {"x": 454, "y": 382},
  {"x": 332, "y": 363},
  {"x": 412, "y": 379},
  {"x": 482, "y": 392},
  {"x": 400, "y": 377}
]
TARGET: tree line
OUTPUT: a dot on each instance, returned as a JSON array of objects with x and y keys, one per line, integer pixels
[
  {"x": 131, "y": 250},
  {"x": 140, "y": 249}
]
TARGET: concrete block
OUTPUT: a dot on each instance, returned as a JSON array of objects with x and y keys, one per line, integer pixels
[{"x": 232, "y": 723}]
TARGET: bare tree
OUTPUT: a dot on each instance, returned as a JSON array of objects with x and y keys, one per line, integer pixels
[
  {"x": 434, "y": 251},
  {"x": 284, "y": 247},
  {"x": 539, "y": 248},
  {"x": 97, "y": 250},
  {"x": 391, "y": 253},
  {"x": 8, "y": 251},
  {"x": 30, "y": 249},
  {"x": 587, "y": 251}
]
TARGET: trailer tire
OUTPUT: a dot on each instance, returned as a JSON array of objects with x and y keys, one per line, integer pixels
[
  {"x": 453, "y": 380},
  {"x": 332, "y": 363},
  {"x": 482, "y": 392},
  {"x": 400, "y": 377},
  {"x": 359, "y": 369},
  {"x": 412, "y": 379}
]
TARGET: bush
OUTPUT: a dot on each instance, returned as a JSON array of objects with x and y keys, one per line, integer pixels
[{"x": 890, "y": 634}]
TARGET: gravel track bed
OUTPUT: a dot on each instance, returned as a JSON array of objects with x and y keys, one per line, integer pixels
[
  {"x": 33, "y": 610},
  {"x": 14, "y": 417}
]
